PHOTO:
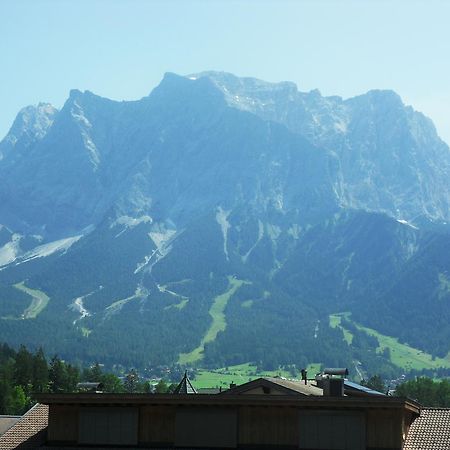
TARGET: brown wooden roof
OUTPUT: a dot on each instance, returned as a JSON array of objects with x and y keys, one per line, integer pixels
[{"x": 430, "y": 431}]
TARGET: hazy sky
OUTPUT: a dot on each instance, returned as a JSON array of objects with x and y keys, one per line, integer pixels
[{"x": 121, "y": 49}]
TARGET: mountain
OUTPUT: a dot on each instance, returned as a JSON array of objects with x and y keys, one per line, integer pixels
[
  {"x": 390, "y": 157},
  {"x": 221, "y": 220}
]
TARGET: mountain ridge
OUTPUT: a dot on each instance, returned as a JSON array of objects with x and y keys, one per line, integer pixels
[{"x": 319, "y": 205}]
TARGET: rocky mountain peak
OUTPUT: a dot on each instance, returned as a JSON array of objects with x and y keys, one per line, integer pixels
[{"x": 31, "y": 124}]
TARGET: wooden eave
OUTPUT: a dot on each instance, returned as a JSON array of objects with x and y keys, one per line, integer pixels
[{"x": 300, "y": 401}]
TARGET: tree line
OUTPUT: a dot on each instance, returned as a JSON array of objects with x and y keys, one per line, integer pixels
[
  {"x": 427, "y": 391},
  {"x": 24, "y": 373}
]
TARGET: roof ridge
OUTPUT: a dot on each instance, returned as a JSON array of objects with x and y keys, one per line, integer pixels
[{"x": 435, "y": 407}]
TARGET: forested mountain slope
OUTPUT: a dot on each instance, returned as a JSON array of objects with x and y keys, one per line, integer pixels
[{"x": 222, "y": 220}]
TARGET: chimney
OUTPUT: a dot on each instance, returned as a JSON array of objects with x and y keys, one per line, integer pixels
[
  {"x": 333, "y": 387},
  {"x": 333, "y": 382},
  {"x": 304, "y": 373},
  {"x": 232, "y": 385}
]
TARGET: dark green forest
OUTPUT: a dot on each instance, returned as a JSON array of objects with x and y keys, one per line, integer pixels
[
  {"x": 426, "y": 391},
  {"x": 23, "y": 373}
]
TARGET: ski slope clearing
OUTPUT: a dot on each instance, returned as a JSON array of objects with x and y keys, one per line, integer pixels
[
  {"x": 38, "y": 303},
  {"x": 218, "y": 321}
]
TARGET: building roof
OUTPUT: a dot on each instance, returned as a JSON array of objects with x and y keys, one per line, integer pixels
[
  {"x": 209, "y": 390},
  {"x": 276, "y": 386},
  {"x": 297, "y": 386},
  {"x": 352, "y": 388},
  {"x": 6, "y": 422},
  {"x": 185, "y": 386},
  {"x": 29, "y": 432},
  {"x": 430, "y": 431},
  {"x": 90, "y": 386},
  {"x": 282, "y": 386}
]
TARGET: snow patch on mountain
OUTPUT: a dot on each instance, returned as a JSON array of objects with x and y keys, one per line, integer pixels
[
  {"x": 405, "y": 222},
  {"x": 85, "y": 127},
  {"x": 294, "y": 231},
  {"x": 273, "y": 231},
  {"x": 62, "y": 245},
  {"x": 130, "y": 222},
  {"x": 260, "y": 236},
  {"x": 162, "y": 237},
  {"x": 139, "y": 293},
  {"x": 30, "y": 125},
  {"x": 163, "y": 289},
  {"x": 79, "y": 307},
  {"x": 222, "y": 220},
  {"x": 10, "y": 251}
]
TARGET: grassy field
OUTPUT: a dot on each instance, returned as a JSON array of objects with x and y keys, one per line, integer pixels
[
  {"x": 240, "y": 374},
  {"x": 402, "y": 355},
  {"x": 218, "y": 322},
  {"x": 38, "y": 303},
  {"x": 335, "y": 321}
]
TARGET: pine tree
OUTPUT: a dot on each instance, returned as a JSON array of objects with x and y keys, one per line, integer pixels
[
  {"x": 6, "y": 386},
  {"x": 95, "y": 373},
  {"x": 57, "y": 375},
  {"x": 147, "y": 387},
  {"x": 131, "y": 381},
  {"x": 72, "y": 378},
  {"x": 23, "y": 370},
  {"x": 40, "y": 372},
  {"x": 161, "y": 387},
  {"x": 375, "y": 382},
  {"x": 111, "y": 383}
]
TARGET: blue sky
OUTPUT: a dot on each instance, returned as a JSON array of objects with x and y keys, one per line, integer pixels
[{"x": 121, "y": 49}]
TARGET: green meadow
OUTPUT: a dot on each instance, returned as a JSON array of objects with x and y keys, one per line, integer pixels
[
  {"x": 402, "y": 355},
  {"x": 39, "y": 300},
  {"x": 240, "y": 374},
  {"x": 219, "y": 323}
]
